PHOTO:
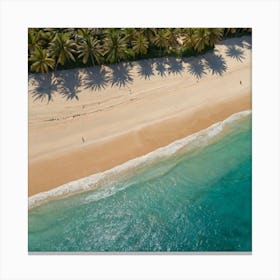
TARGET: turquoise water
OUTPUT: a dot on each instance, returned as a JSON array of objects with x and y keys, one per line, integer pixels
[{"x": 199, "y": 200}]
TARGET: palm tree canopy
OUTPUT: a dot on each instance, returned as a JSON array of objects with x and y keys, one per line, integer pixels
[
  {"x": 115, "y": 47},
  {"x": 189, "y": 38},
  {"x": 161, "y": 38},
  {"x": 129, "y": 34},
  {"x": 201, "y": 39},
  {"x": 214, "y": 35},
  {"x": 172, "y": 37},
  {"x": 149, "y": 33},
  {"x": 207, "y": 37},
  {"x": 62, "y": 48},
  {"x": 140, "y": 44},
  {"x": 48, "y": 46},
  {"x": 89, "y": 47},
  {"x": 41, "y": 62}
]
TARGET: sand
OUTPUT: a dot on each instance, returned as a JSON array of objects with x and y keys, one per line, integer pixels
[{"x": 85, "y": 121}]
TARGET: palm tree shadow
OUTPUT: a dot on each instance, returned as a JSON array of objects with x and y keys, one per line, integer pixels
[
  {"x": 235, "y": 53},
  {"x": 216, "y": 64},
  {"x": 175, "y": 66},
  {"x": 96, "y": 78},
  {"x": 160, "y": 67},
  {"x": 239, "y": 42},
  {"x": 196, "y": 68},
  {"x": 69, "y": 84},
  {"x": 44, "y": 85},
  {"x": 121, "y": 75},
  {"x": 247, "y": 42},
  {"x": 145, "y": 68}
]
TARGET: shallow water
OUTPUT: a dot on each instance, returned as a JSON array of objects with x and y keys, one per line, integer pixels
[{"x": 197, "y": 200}]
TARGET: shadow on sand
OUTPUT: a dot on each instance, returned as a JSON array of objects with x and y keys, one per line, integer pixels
[
  {"x": 236, "y": 46},
  {"x": 96, "y": 78},
  {"x": 175, "y": 66},
  {"x": 215, "y": 63},
  {"x": 241, "y": 42},
  {"x": 247, "y": 42},
  {"x": 66, "y": 83},
  {"x": 196, "y": 68},
  {"x": 161, "y": 67},
  {"x": 69, "y": 83},
  {"x": 235, "y": 53},
  {"x": 145, "y": 69},
  {"x": 121, "y": 75},
  {"x": 44, "y": 85}
]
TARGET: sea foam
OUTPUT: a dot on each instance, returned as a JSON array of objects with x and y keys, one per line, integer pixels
[{"x": 128, "y": 169}]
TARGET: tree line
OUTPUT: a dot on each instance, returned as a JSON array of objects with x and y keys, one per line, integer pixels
[{"x": 62, "y": 48}]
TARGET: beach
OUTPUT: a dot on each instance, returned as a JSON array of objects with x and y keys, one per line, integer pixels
[
  {"x": 180, "y": 197},
  {"x": 85, "y": 121}
]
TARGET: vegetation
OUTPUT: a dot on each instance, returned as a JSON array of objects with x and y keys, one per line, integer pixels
[{"x": 62, "y": 48}]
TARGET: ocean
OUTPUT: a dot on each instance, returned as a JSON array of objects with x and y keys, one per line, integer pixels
[{"x": 194, "y": 195}]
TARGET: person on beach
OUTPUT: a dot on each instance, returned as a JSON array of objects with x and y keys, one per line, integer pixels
[
  {"x": 240, "y": 82},
  {"x": 83, "y": 139}
]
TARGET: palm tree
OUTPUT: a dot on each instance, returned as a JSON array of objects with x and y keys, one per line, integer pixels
[
  {"x": 129, "y": 34},
  {"x": 140, "y": 44},
  {"x": 149, "y": 33},
  {"x": 214, "y": 35},
  {"x": 189, "y": 37},
  {"x": 32, "y": 41},
  {"x": 38, "y": 37},
  {"x": 201, "y": 39},
  {"x": 207, "y": 37},
  {"x": 161, "y": 39},
  {"x": 56, "y": 46},
  {"x": 229, "y": 31},
  {"x": 51, "y": 32},
  {"x": 173, "y": 35},
  {"x": 41, "y": 62},
  {"x": 62, "y": 48},
  {"x": 89, "y": 47},
  {"x": 115, "y": 47}
]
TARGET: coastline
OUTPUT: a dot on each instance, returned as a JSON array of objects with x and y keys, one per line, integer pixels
[
  {"x": 120, "y": 127},
  {"x": 130, "y": 168}
]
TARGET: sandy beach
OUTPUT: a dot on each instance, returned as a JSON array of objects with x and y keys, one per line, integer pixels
[{"x": 84, "y": 121}]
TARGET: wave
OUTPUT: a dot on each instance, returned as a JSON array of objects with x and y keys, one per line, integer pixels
[{"x": 129, "y": 168}]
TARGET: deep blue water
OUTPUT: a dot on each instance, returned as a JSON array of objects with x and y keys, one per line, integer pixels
[{"x": 198, "y": 201}]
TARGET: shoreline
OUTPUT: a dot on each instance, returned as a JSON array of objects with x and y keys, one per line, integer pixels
[
  {"x": 131, "y": 167},
  {"x": 118, "y": 126},
  {"x": 173, "y": 130}
]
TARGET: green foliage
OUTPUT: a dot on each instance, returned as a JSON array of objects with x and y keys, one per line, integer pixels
[
  {"x": 140, "y": 43},
  {"x": 40, "y": 60},
  {"x": 115, "y": 47},
  {"x": 161, "y": 39},
  {"x": 89, "y": 47},
  {"x": 214, "y": 36},
  {"x": 189, "y": 37},
  {"x": 129, "y": 35},
  {"x": 236, "y": 32},
  {"x": 173, "y": 35},
  {"x": 62, "y": 48},
  {"x": 204, "y": 37}
]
